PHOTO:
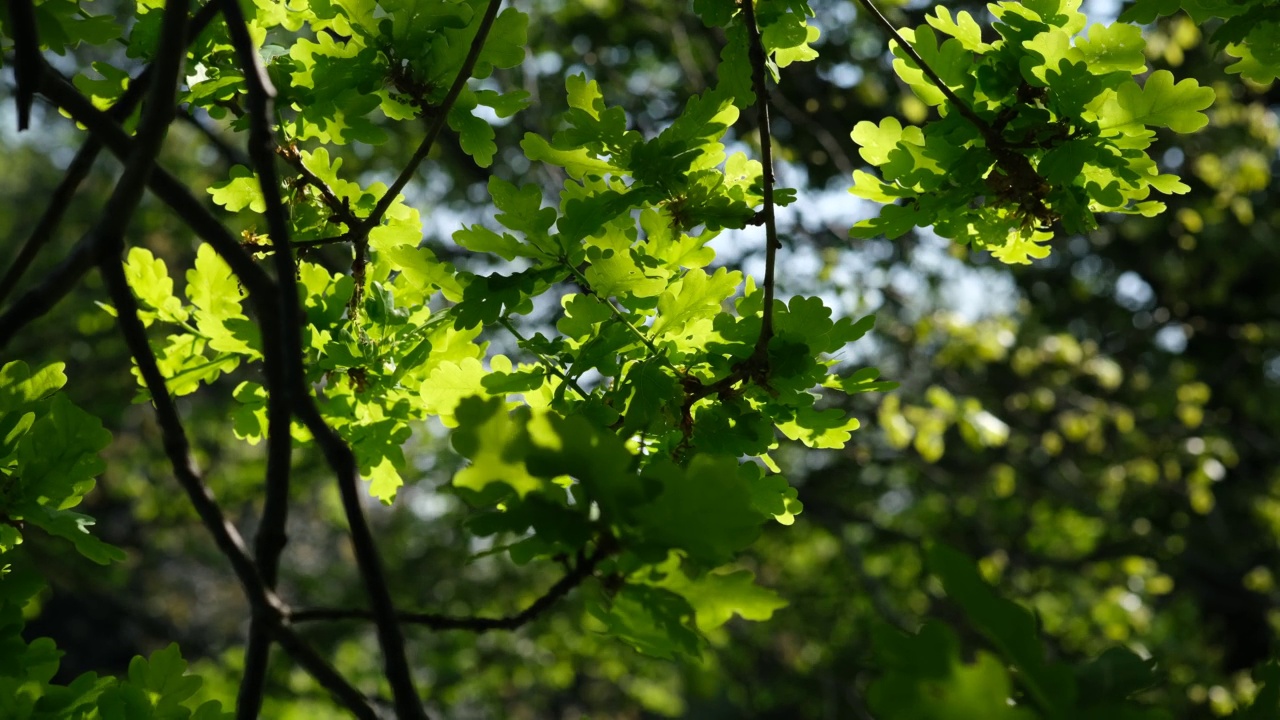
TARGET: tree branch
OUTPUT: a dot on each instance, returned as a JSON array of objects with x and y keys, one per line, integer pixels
[
  {"x": 165, "y": 186},
  {"x": 961, "y": 106},
  {"x": 756, "y": 53},
  {"x": 292, "y": 389},
  {"x": 109, "y": 232},
  {"x": 340, "y": 208},
  {"x": 581, "y": 571},
  {"x": 369, "y": 562},
  {"x": 285, "y": 379},
  {"x": 27, "y": 63},
  {"x": 225, "y": 536},
  {"x": 63, "y": 278},
  {"x": 437, "y": 124},
  {"x": 230, "y": 154}
]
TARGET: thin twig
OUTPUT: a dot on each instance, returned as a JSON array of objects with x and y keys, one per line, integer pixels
[
  {"x": 437, "y": 124},
  {"x": 165, "y": 186},
  {"x": 961, "y": 106},
  {"x": 225, "y": 535},
  {"x": 581, "y": 571},
  {"x": 756, "y": 53},
  {"x": 230, "y": 154},
  {"x": 62, "y": 279},
  {"x": 505, "y": 322},
  {"x": 59, "y": 201},
  {"x": 124, "y": 199},
  {"x": 339, "y": 208},
  {"x": 321, "y": 242},
  {"x": 820, "y": 133}
]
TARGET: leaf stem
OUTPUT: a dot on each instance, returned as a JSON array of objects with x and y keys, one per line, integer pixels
[
  {"x": 581, "y": 571},
  {"x": 756, "y": 53},
  {"x": 963, "y": 108},
  {"x": 546, "y": 361},
  {"x": 288, "y": 394},
  {"x": 436, "y": 126}
]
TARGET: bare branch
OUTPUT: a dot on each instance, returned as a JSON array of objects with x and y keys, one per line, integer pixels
[
  {"x": 339, "y": 207},
  {"x": 52, "y": 217},
  {"x": 368, "y": 560},
  {"x": 756, "y": 53},
  {"x": 26, "y": 57},
  {"x": 165, "y": 186},
  {"x": 63, "y": 278},
  {"x": 581, "y": 571},
  {"x": 961, "y": 106},
  {"x": 289, "y": 387},
  {"x": 281, "y": 353},
  {"x": 230, "y": 154},
  {"x": 437, "y": 124},
  {"x": 261, "y": 598}
]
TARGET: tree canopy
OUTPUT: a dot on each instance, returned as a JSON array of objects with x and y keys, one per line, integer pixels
[{"x": 779, "y": 358}]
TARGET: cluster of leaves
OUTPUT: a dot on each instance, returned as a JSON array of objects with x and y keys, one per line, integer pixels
[
  {"x": 1251, "y": 31},
  {"x": 637, "y": 467},
  {"x": 48, "y": 462},
  {"x": 1041, "y": 126},
  {"x": 631, "y": 437},
  {"x": 926, "y": 677}
]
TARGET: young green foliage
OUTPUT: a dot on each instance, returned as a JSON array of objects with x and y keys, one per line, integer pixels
[{"x": 1052, "y": 128}]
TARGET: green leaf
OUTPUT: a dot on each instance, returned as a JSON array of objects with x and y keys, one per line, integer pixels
[
  {"x": 212, "y": 287},
  {"x": 717, "y": 596},
  {"x": 1266, "y": 703},
  {"x": 504, "y": 46},
  {"x": 695, "y": 296},
  {"x": 1009, "y": 626},
  {"x": 150, "y": 281},
  {"x": 925, "y": 679},
  {"x": 704, "y": 510},
  {"x": 1159, "y": 103},
  {"x": 577, "y": 162},
  {"x": 1115, "y": 675},
  {"x": 448, "y": 384},
  {"x": 963, "y": 28},
  {"x": 59, "y": 455},
  {"x": 496, "y": 443},
  {"x": 73, "y": 527},
  {"x": 820, "y": 428},
  {"x": 1110, "y": 48},
  {"x": 240, "y": 192},
  {"x": 652, "y": 620},
  {"x": 474, "y": 135}
]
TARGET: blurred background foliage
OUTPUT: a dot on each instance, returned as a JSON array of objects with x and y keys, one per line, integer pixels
[{"x": 1099, "y": 430}]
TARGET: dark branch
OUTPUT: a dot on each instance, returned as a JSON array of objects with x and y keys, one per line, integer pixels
[
  {"x": 340, "y": 458},
  {"x": 756, "y": 53},
  {"x": 282, "y": 352},
  {"x": 62, "y": 279},
  {"x": 27, "y": 63},
  {"x": 165, "y": 186},
  {"x": 291, "y": 389},
  {"x": 582, "y": 570},
  {"x": 225, "y": 536},
  {"x": 339, "y": 208},
  {"x": 961, "y": 106},
  {"x": 59, "y": 201},
  {"x": 230, "y": 154},
  {"x": 437, "y": 124}
]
